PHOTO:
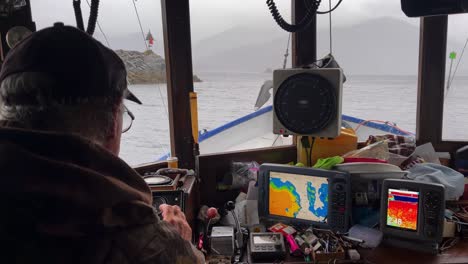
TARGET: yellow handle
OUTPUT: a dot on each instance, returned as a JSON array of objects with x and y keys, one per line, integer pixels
[{"x": 194, "y": 113}]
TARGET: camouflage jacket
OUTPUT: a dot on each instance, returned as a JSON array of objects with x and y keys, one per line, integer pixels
[{"x": 67, "y": 200}]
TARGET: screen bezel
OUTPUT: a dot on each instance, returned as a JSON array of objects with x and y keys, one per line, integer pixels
[
  {"x": 422, "y": 188},
  {"x": 419, "y": 210},
  {"x": 263, "y": 201}
]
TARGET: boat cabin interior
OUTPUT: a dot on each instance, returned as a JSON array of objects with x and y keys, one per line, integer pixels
[{"x": 199, "y": 185}]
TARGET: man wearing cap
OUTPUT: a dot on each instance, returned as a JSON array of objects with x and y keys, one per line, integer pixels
[{"x": 65, "y": 196}]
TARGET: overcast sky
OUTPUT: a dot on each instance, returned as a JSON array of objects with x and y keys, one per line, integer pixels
[{"x": 209, "y": 17}]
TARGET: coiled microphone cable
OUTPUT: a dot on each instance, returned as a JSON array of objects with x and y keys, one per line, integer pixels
[
  {"x": 93, "y": 16},
  {"x": 311, "y": 10}
]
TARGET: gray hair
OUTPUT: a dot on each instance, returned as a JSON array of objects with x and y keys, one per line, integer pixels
[{"x": 26, "y": 101}]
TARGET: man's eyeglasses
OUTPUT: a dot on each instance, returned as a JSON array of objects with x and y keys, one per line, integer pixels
[{"x": 128, "y": 118}]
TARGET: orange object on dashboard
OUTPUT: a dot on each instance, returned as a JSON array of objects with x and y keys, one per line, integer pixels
[
  {"x": 324, "y": 147},
  {"x": 172, "y": 162}
]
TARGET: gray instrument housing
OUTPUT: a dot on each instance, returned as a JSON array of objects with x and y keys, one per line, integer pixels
[
  {"x": 338, "y": 220},
  {"x": 334, "y": 77},
  {"x": 430, "y": 218}
]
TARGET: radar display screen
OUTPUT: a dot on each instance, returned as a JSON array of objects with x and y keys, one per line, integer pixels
[
  {"x": 298, "y": 196},
  {"x": 402, "y": 210}
]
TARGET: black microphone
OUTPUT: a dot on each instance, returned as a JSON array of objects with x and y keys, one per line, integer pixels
[{"x": 230, "y": 206}]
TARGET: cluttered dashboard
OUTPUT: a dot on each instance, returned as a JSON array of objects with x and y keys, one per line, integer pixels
[{"x": 306, "y": 215}]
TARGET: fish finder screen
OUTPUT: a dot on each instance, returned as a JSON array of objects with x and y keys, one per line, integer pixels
[
  {"x": 402, "y": 210},
  {"x": 298, "y": 196}
]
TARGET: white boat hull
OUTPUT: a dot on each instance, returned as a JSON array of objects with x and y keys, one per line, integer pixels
[{"x": 255, "y": 131}]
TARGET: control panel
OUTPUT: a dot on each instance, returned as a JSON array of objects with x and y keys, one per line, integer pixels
[
  {"x": 340, "y": 204},
  {"x": 431, "y": 210},
  {"x": 267, "y": 246},
  {"x": 176, "y": 197}
]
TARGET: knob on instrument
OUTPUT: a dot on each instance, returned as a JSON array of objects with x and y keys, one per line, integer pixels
[{"x": 16, "y": 34}]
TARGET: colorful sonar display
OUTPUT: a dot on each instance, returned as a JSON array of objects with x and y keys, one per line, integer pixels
[
  {"x": 298, "y": 196},
  {"x": 402, "y": 209}
]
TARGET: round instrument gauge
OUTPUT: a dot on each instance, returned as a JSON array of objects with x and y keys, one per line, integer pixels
[
  {"x": 16, "y": 34},
  {"x": 157, "y": 201},
  {"x": 305, "y": 103},
  {"x": 157, "y": 180}
]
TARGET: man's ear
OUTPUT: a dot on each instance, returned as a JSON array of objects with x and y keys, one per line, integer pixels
[{"x": 114, "y": 135}]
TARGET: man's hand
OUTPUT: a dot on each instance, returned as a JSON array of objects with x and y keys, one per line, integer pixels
[{"x": 176, "y": 218}]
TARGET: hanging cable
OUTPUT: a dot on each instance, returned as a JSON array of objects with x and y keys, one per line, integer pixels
[
  {"x": 286, "y": 54},
  {"x": 93, "y": 15},
  {"x": 100, "y": 28},
  {"x": 94, "y": 21},
  {"x": 139, "y": 22},
  {"x": 103, "y": 34},
  {"x": 331, "y": 9},
  {"x": 285, "y": 62},
  {"x": 78, "y": 14},
  {"x": 458, "y": 63},
  {"x": 393, "y": 125},
  {"x": 164, "y": 103},
  {"x": 308, "y": 6},
  {"x": 146, "y": 44},
  {"x": 147, "y": 48},
  {"x": 331, "y": 36},
  {"x": 303, "y": 24}
]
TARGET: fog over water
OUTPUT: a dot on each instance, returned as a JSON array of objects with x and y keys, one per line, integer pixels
[{"x": 235, "y": 41}]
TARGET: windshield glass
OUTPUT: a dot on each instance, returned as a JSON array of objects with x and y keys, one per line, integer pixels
[
  {"x": 456, "y": 80},
  {"x": 235, "y": 47}
]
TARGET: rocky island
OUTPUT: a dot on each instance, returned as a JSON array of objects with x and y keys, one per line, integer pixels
[{"x": 145, "y": 67}]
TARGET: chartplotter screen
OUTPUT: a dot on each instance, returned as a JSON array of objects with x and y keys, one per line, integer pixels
[
  {"x": 298, "y": 196},
  {"x": 402, "y": 210}
]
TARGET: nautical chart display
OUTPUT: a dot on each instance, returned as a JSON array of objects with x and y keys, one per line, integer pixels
[{"x": 298, "y": 196}]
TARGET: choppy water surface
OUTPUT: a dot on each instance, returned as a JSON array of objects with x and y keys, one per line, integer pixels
[{"x": 224, "y": 97}]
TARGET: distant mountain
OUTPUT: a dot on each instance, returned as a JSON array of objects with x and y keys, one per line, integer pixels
[
  {"x": 384, "y": 46},
  {"x": 244, "y": 58},
  {"x": 235, "y": 37}
]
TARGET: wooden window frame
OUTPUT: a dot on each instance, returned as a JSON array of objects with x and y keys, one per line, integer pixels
[
  {"x": 431, "y": 84},
  {"x": 179, "y": 72}
]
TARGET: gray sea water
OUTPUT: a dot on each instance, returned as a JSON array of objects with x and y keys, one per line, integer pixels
[{"x": 223, "y": 97}]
